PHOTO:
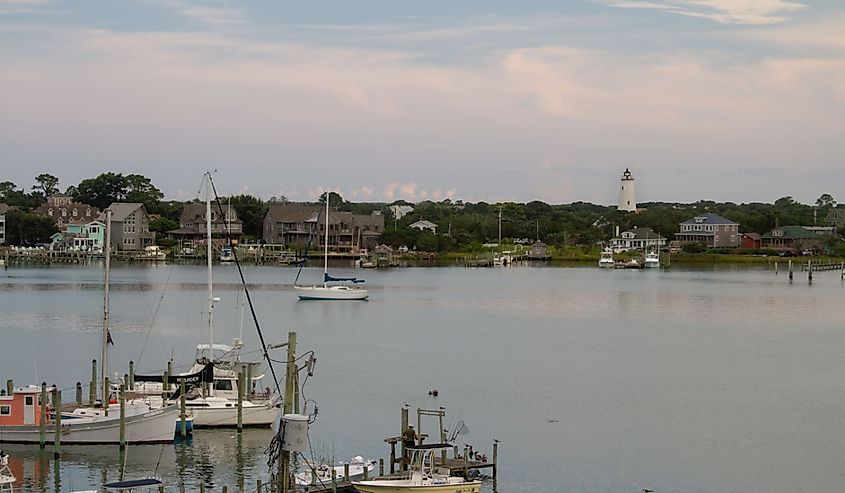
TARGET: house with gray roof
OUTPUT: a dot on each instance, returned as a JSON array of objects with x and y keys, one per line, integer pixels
[
  {"x": 423, "y": 225},
  {"x": 192, "y": 224},
  {"x": 3, "y": 210},
  {"x": 62, "y": 210},
  {"x": 711, "y": 230},
  {"x": 130, "y": 226},
  {"x": 792, "y": 238},
  {"x": 638, "y": 239},
  {"x": 295, "y": 225}
]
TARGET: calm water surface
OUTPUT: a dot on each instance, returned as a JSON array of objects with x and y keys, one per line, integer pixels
[{"x": 688, "y": 380}]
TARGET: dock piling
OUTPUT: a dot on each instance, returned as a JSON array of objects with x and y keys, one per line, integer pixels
[
  {"x": 165, "y": 386},
  {"x": 131, "y": 375},
  {"x": 183, "y": 426},
  {"x": 122, "y": 417},
  {"x": 10, "y": 387},
  {"x": 106, "y": 395},
  {"x": 790, "y": 270},
  {"x": 810, "y": 270},
  {"x": 79, "y": 394},
  {"x": 57, "y": 441},
  {"x": 92, "y": 387},
  {"x": 495, "y": 457},
  {"x": 381, "y": 467},
  {"x": 240, "y": 401},
  {"x": 346, "y": 471},
  {"x": 42, "y": 425}
]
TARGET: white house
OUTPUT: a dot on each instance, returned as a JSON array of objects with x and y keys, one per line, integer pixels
[
  {"x": 423, "y": 225},
  {"x": 399, "y": 211},
  {"x": 637, "y": 239}
]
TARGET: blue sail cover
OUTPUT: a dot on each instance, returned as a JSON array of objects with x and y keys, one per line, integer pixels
[
  {"x": 328, "y": 278},
  {"x": 134, "y": 483}
]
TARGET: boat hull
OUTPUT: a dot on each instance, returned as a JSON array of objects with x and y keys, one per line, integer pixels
[
  {"x": 154, "y": 426},
  {"x": 388, "y": 486},
  {"x": 330, "y": 293},
  {"x": 227, "y": 417}
]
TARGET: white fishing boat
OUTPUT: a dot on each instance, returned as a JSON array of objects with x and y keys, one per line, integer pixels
[
  {"x": 652, "y": 260},
  {"x": 216, "y": 366},
  {"x": 7, "y": 479},
  {"x": 321, "y": 474},
  {"x": 351, "y": 291},
  {"x": 154, "y": 253},
  {"x": 606, "y": 261},
  {"x": 425, "y": 476}
]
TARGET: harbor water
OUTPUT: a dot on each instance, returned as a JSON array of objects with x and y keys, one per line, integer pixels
[{"x": 704, "y": 379}]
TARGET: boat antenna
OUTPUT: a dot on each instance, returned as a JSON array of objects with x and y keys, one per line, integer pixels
[{"x": 264, "y": 348}]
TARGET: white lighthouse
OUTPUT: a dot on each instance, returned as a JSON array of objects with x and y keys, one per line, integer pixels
[{"x": 627, "y": 202}]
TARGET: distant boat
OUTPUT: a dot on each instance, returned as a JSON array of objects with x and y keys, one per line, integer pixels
[
  {"x": 226, "y": 254},
  {"x": 154, "y": 253},
  {"x": 424, "y": 477},
  {"x": 323, "y": 472},
  {"x": 606, "y": 261},
  {"x": 334, "y": 291},
  {"x": 652, "y": 260}
]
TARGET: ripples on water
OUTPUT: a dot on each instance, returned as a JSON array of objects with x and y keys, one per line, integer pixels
[{"x": 704, "y": 379}]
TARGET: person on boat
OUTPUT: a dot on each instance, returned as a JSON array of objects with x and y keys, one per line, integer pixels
[{"x": 409, "y": 440}]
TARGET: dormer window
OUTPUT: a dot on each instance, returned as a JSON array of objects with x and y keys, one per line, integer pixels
[
  {"x": 75, "y": 212},
  {"x": 50, "y": 212},
  {"x": 777, "y": 232},
  {"x": 699, "y": 220},
  {"x": 88, "y": 211},
  {"x": 64, "y": 212}
]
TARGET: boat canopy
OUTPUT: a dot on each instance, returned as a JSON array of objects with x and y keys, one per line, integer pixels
[
  {"x": 431, "y": 446},
  {"x": 328, "y": 278},
  {"x": 133, "y": 483},
  {"x": 204, "y": 375}
]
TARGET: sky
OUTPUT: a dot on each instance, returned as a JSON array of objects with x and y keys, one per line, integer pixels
[{"x": 494, "y": 100}]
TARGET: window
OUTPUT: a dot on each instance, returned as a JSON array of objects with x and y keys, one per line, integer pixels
[
  {"x": 5, "y": 410},
  {"x": 50, "y": 212},
  {"x": 223, "y": 385},
  {"x": 29, "y": 400},
  {"x": 64, "y": 212},
  {"x": 75, "y": 212}
]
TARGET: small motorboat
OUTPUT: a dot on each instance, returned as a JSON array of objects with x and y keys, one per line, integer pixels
[
  {"x": 425, "y": 475},
  {"x": 322, "y": 474},
  {"x": 606, "y": 261},
  {"x": 652, "y": 260}
]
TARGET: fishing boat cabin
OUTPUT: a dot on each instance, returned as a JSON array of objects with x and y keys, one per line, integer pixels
[{"x": 21, "y": 408}]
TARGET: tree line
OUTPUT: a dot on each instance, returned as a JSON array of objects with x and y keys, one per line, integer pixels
[{"x": 462, "y": 226}]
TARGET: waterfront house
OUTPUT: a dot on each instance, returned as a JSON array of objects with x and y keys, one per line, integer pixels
[
  {"x": 87, "y": 237},
  {"x": 400, "y": 210},
  {"x": 383, "y": 255},
  {"x": 792, "y": 238},
  {"x": 836, "y": 218},
  {"x": 750, "y": 240},
  {"x": 192, "y": 224},
  {"x": 3, "y": 210},
  {"x": 637, "y": 239},
  {"x": 424, "y": 225},
  {"x": 63, "y": 211},
  {"x": 711, "y": 230},
  {"x": 130, "y": 226},
  {"x": 297, "y": 225},
  {"x": 539, "y": 250}
]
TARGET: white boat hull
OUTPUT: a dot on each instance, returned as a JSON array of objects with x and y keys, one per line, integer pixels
[
  {"x": 330, "y": 293},
  {"x": 227, "y": 417},
  {"x": 404, "y": 486},
  {"x": 324, "y": 473},
  {"x": 153, "y": 426}
]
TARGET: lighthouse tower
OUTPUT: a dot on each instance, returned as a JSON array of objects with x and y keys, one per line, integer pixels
[{"x": 627, "y": 202}]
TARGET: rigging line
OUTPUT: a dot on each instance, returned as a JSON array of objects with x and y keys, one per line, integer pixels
[
  {"x": 155, "y": 315},
  {"x": 246, "y": 290}
]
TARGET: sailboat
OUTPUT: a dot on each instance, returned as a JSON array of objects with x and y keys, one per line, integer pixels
[
  {"x": 145, "y": 421},
  {"x": 332, "y": 291},
  {"x": 217, "y": 365}
]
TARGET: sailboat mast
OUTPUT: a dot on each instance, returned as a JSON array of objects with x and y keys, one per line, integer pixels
[
  {"x": 104, "y": 368},
  {"x": 208, "y": 265},
  {"x": 326, "y": 254}
]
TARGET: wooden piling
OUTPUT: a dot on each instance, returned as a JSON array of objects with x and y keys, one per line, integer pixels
[
  {"x": 225, "y": 489},
  {"x": 790, "y": 270},
  {"x": 366, "y": 472},
  {"x": 57, "y": 441},
  {"x": 334, "y": 480},
  {"x": 131, "y": 375},
  {"x": 776, "y": 268},
  {"x": 495, "y": 457},
  {"x": 169, "y": 372},
  {"x": 42, "y": 425},
  {"x": 381, "y": 467},
  {"x": 161, "y": 488},
  {"x": 10, "y": 387},
  {"x": 810, "y": 270},
  {"x": 202, "y": 487},
  {"x": 126, "y": 381},
  {"x": 183, "y": 425},
  {"x": 122, "y": 417},
  {"x": 181, "y": 486},
  {"x": 258, "y": 486},
  {"x": 92, "y": 387},
  {"x": 79, "y": 394},
  {"x": 240, "y": 401},
  {"x": 346, "y": 471},
  {"x": 165, "y": 386}
]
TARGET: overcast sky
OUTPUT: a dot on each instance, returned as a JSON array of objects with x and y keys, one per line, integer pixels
[{"x": 740, "y": 100}]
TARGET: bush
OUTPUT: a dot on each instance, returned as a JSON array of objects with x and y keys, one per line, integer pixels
[{"x": 693, "y": 248}]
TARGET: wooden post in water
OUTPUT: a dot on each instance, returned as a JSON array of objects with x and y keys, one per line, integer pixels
[
  {"x": 92, "y": 388},
  {"x": 346, "y": 471},
  {"x": 161, "y": 488},
  {"x": 181, "y": 486},
  {"x": 79, "y": 394},
  {"x": 240, "y": 401},
  {"x": 169, "y": 372},
  {"x": 126, "y": 381},
  {"x": 790, "y": 270},
  {"x": 810, "y": 270},
  {"x": 10, "y": 387},
  {"x": 495, "y": 457},
  {"x": 202, "y": 487},
  {"x": 334, "y": 480},
  {"x": 165, "y": 386},
  {"x": 122, "y": 417},
  {"x": 131, "y": 375},
  {"x": 776, "y": 267},
  {"x": 283, "y": 471},
  {"x": 183, "y": 425},
  {"x": 442, "y": 437},
  {"x": 225, "y": 489},
  {"x": 258, "y": 486},
  {"x": 57, "y": 441},
  {"x": 366, "y": 472},
  {"x": 42, "y": 425}
]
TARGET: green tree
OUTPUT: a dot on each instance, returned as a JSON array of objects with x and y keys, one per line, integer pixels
[
  {"x": 26, "y": 228},
  {"x": 163, "y": 224},
  {"x": 251, "y": 211},
  {"x": 334, "y": 198},
  {"x": 47, "y": 184},
  {"x": 109, "y": 187}
]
